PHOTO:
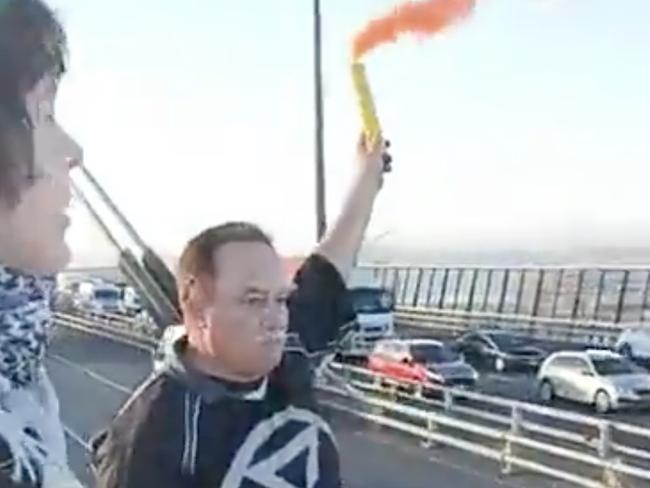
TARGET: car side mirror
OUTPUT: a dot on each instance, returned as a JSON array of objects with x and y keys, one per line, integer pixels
[{"x": 586, "y": 372}]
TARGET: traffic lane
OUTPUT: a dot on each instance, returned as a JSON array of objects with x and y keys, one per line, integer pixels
[
  {"x": 370, "y": 456},
  {"x": 524, "y": 387},
  {"x": 87, "y": 405},
  {"x": 122, "y": 363}
]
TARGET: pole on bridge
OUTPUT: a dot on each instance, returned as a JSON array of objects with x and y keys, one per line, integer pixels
[{"x": 321, "y": 217}]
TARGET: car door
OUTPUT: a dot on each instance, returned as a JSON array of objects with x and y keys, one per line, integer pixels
[
  {"x": 580, "y": 378},
  {"x": 472, "y": 347},
  {"x": 557, "y": 371},
  {"x": 402, "y": 364},
  {"x": 381, "y": 359}
]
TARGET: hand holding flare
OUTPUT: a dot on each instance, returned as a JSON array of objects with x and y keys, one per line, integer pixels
[{"x": 423, "y": 17}]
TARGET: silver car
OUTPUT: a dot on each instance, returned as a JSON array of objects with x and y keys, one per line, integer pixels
[{"x": 601, "y": 378}]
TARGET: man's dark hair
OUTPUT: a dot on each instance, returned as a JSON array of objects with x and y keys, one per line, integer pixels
[
  {"x": 197, "y": 259},
  {"x": 32, "y": 45}
]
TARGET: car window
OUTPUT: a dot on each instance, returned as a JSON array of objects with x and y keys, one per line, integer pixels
[
  {"x": 384, "y": 348},
  {"x": 614, "y": 366},
  {"x": 577, "y": 365},
  {"x": 433, "y": 353},
  {"x": 561, "y": 362}
]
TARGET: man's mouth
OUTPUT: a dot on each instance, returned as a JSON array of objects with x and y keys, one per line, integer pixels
[{"x": 277, "y": 337}]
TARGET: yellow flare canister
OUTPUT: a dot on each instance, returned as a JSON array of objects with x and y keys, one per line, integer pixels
[{"x": 366, "y": 102}]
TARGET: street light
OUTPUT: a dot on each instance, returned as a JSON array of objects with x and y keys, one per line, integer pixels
[{"x": 321, "y": 218}]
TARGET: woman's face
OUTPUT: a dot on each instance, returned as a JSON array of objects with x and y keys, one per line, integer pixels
[{"x": 32, "y": 231}]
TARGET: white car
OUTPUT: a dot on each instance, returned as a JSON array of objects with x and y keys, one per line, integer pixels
[
  {"x": 634, "y": 343},
  {"x": 601, "y": 378}
]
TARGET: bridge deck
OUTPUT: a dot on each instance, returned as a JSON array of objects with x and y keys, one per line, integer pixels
[{"x": 94, "y": 376}]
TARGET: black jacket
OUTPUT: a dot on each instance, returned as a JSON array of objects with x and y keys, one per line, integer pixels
[{"x": 183, "y": 429}]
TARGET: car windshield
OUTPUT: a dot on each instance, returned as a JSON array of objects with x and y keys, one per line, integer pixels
[
  {"x": 509, "y": 341},
  {"x": 107, "y": 295},
  {"x": 367, "y": 300},
  {"x": 614, "y": 366},
  {"x": 433, "y": 353}
]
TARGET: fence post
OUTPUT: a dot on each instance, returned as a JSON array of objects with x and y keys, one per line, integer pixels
[
  {"x": 621, "y": 296},
  {"x": 418, "y": 283},
  {"x": 488, "y": 286},
  {"x": 515, "y": 430},
  {"x": 431, "y": 428},
  {"x": 472, "y": 291},
  {"x": 610, "y": 478},
  {"x": 448, "y": 399},
  {"x": 432, "y": 278}
]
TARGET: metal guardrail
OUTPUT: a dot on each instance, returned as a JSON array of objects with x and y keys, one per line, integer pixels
[
  {"x": 580, "y": 449},
  {"x": 584, "y": 450},
  {"x": 454, "y": 322},
  {"x": 600, "y": 294}
]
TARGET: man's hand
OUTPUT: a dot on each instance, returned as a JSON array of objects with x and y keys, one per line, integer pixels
[{"x": 373, "y": 159}]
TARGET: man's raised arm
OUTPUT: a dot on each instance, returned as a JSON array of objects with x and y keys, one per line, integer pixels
[{"x": 341, "y": 243}]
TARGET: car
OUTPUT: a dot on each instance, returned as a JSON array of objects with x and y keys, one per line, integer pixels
[
  {"x": 171, "y": 334},
  {"x": 500, "y": 350},
  {"x": 374, "y": 310},
  {"x": 424, "y": 361},
  {"x": 601, "y": 378},
  {"x": 634, "y": 343}
]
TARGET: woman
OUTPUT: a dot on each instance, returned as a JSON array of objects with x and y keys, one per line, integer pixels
[{"x": 36, "y": 156}]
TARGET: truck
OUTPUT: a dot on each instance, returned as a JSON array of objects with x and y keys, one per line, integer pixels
[
  {"x": 374, "y": 308},
  {"x": 99, "y": 296}
]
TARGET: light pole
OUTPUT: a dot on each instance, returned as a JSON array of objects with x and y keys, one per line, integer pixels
[{"x": 321, "y": 217}]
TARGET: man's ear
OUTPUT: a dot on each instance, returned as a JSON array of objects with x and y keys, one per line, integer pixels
[{"x": 192, "y": 299}]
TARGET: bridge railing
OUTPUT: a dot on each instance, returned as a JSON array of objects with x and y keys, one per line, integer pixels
[{"x": 612, "y": 295}]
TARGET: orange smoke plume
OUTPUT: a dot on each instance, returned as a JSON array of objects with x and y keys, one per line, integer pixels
[{"x": 419, "y": 17}]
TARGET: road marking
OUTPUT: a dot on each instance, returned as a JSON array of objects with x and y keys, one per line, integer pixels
[
  {"x": 76, "y": 437},
  {"x": 92, "y": 374},
  {"x": 106, "y": 335}
]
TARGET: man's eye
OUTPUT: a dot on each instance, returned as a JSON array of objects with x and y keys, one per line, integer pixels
[{"x": 255, "y": 301}]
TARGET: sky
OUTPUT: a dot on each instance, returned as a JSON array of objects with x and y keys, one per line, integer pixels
[{"x": 523, "y": 127}]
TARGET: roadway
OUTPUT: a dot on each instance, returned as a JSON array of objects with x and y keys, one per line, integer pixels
[{"x": 94, "y": 376}]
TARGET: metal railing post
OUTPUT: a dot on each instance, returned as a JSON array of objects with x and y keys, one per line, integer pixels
[{"x": 516, "y": 420}]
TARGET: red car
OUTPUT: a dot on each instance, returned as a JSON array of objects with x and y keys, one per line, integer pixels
[{"x": 421, "y": 360}]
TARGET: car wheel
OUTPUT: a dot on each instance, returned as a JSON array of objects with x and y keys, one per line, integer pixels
[
  {"x": 546, "y": 392},
  {"x": 499, "y": 365},
  {"x": 602, "y": 402}
]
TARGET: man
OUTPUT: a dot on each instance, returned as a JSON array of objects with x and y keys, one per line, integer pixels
[{"x": 233, "y": 405}]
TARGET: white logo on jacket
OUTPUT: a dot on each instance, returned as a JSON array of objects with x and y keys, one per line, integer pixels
[{"x": 265, "y": 471}]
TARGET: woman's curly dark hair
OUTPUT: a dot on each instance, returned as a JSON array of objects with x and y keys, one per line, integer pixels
[{"x": 32, "y": 45}]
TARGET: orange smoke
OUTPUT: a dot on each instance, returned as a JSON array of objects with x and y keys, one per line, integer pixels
[{"x": 423, "y": 17}]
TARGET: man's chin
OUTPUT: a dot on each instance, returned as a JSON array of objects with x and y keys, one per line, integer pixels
[{"x": 57, "y": 260}]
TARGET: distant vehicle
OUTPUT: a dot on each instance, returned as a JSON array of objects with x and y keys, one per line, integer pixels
[
  {"x": 97, "y": 296},
  {"x": 169, "y": 337},
  {"x": 374, "y": 320},
  {"x": 421, "y": 360},
  {"x": 634, "y": 344},
  {"x": 601, "y": 378},
  {"x": 500, "y": 350},
  {"x": 131, "y": 301},
  {"x": 374, "y": 309}
]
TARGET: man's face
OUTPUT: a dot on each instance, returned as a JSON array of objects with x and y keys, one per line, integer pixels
[{"x": 246, "y": 316}]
